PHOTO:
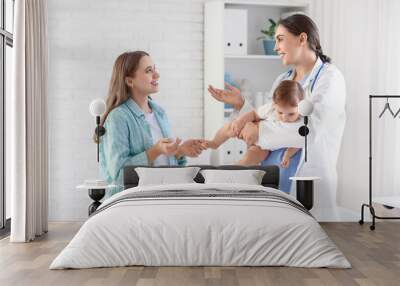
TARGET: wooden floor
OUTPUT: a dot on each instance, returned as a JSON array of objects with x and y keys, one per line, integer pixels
[{"x": 374, "y": 255}]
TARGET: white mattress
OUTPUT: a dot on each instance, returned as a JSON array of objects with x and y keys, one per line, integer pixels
[{"x": 183, "y": 231}]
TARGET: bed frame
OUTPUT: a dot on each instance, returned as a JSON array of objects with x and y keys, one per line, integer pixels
[{"x": 270, "y": 179}]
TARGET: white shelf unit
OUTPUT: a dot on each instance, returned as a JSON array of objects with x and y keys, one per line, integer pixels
[{"x": 259, "y": 69}]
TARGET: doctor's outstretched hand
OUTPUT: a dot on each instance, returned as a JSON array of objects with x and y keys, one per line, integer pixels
[{"x": 231, "y": 95}]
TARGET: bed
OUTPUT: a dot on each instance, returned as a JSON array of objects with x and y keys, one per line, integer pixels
[{"x": 201, "y": 224}]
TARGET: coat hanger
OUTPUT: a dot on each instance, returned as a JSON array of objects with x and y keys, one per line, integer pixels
[
  {"x": 397, "y": 113},
  {"x": 387, "y": 107}
]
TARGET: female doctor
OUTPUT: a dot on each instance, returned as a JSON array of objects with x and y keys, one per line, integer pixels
[{"x": 298, "y": 45}]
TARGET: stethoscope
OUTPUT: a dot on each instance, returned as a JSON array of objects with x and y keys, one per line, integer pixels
[
  {"x": 313, "y": 80},
  {"x": 307, "y": 108}
]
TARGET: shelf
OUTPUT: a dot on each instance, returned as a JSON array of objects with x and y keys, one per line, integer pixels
[
  {"x": 392, "y": 201},
  {"x": 253, "y": 57}
]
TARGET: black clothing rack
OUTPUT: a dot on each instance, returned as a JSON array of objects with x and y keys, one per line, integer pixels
[{"x": 369, "y": 205}]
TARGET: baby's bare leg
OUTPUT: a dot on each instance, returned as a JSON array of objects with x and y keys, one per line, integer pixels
[
  {"x": 221, "y": 137},
  {"x": 254, "y": 156}
]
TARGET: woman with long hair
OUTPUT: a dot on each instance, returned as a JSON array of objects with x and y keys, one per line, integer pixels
[{"x": 137, "y": 129}]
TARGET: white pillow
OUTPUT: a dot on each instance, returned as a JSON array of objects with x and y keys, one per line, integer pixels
[
  {"x": 164, "y": 176},
  {"x": 249, "y": 177}
]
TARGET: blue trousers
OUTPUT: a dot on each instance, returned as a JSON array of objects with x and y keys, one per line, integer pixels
[{"x": 275, "y": 158}]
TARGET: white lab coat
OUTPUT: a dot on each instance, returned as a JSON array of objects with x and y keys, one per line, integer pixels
[{"x": 326, "y": 125}]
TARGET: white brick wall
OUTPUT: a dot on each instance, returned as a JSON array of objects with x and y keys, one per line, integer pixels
[{"x": 85, "y": 37}]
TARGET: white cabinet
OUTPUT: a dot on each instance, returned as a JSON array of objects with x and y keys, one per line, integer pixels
[{"x": 247, "y": 63}]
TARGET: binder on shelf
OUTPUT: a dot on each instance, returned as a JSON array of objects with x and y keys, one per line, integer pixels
[{"x": 235, "y": 23}]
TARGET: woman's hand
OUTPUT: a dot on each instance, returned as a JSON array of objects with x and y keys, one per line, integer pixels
[
  {"x": 191, "y": 148},
  {"x": 231, "y": 95},
  {"x": 168, "y": 146},
  {"x": 164, "y": 146},
  {"x": 249, "y": 133}
]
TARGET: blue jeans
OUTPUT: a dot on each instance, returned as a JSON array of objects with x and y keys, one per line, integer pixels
[{"x": 275, "y": 158}]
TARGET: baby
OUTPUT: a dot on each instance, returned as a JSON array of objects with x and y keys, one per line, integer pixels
[{"x": 283, "y": 109}]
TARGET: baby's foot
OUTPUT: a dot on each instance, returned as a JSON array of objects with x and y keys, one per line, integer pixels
[{"x": 285, "y": 163}]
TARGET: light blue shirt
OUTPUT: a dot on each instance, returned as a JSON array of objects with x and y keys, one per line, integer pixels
[{"x": 128, "y": 135}]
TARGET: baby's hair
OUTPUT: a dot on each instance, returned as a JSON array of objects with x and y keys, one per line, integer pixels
[{"x": 288, "y": 93}]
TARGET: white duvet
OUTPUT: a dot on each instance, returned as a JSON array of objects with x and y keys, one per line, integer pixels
[{"x": 200, "y": 231}]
